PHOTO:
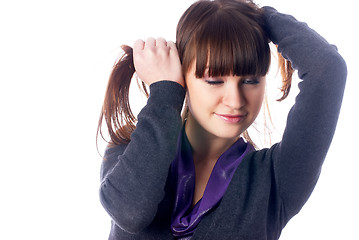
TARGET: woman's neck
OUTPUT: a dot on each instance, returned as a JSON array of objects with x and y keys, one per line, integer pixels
[{"x": 205, "y": 146}]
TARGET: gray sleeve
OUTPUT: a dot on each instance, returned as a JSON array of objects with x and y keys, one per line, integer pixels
[
  {"x": 312, "y": 120},
  {"x": 134, "y": 176}
]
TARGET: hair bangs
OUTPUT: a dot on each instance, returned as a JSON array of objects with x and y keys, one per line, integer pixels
[{"x": 229, "y": 44}]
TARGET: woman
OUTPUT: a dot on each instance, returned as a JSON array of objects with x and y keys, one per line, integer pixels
[{"x": 198, "y": 179}]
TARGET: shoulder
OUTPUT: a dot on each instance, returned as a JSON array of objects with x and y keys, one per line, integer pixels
[
  {"x": 259, "y": 165},
  {"x": 262, "y": 155},
  {"x": 114, "y": 149}
]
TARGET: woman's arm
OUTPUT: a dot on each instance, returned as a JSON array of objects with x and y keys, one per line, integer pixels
[
  {"x": 312, "y": 120},
  {"x": 134, "y": 176},
  {"x": 133, "y": 181}
]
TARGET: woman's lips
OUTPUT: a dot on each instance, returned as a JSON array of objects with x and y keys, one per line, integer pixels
[{"x": 230, "y": 118}]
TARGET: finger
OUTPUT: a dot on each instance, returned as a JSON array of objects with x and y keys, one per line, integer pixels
[
  {"x": 161, "y": 42},
  {"x": 150, "y": 42},
  {"x": 138, "y": 45},
  {"x": 172, "y": 46}
]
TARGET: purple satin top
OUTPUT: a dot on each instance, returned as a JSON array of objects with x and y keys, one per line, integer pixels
[{"x": 184, "y": 219}]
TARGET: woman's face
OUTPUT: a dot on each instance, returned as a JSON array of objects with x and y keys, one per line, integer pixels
[{"x": 223, "y": 106}]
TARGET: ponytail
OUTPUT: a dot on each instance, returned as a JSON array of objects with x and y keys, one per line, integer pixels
[{"x": 116, "y": 110}]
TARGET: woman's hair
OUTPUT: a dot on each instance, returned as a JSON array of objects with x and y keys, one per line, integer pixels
[{"x": 223, "y": 36}]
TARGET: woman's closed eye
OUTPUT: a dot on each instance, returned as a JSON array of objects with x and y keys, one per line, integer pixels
[
  {"x": 244, "y": 81},
  {"x": 214, "y": 82},
  {"x": 250, "y": 81}
]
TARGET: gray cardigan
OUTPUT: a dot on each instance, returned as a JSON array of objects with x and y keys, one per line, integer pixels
[{"x": 269, "y": 187}]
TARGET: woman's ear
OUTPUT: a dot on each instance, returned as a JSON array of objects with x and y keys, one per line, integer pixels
[{"x": 185, "y": 109}]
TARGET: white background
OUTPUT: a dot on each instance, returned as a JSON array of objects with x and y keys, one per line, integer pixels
[{"x": 55, "y": 59}]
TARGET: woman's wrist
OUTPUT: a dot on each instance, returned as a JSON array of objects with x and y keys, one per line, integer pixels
[{"x": 167, "y": 92}]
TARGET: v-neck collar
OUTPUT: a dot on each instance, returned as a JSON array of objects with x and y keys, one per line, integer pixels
[{"x": 184, "y": 218}]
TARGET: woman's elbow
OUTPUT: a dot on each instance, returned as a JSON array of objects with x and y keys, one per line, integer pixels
[{"x": 124, "y": 212}]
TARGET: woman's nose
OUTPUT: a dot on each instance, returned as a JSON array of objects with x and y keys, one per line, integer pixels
[{"x": 233, "y": 97}]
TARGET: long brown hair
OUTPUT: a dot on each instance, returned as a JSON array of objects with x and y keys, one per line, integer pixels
[
  {"x": 223, "y": 36},
  {"x": 116, "y": 110}
]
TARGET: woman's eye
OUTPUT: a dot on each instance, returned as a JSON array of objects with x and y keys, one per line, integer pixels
[
  {"x": 250, "y": 81},
  {"x": 214, "y": 82}
]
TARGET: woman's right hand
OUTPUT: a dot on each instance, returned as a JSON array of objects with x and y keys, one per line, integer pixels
[{"x": 156, "y": 60}]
